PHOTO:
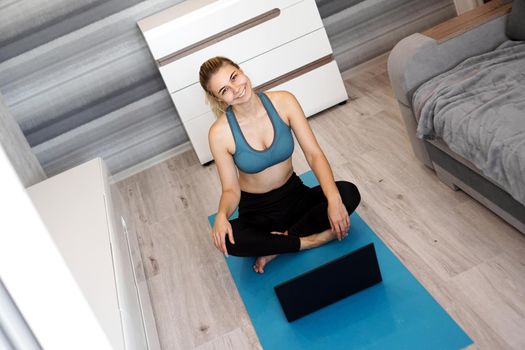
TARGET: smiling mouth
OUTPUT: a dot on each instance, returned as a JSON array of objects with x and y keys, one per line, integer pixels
[{"x": 242, "y": 93}]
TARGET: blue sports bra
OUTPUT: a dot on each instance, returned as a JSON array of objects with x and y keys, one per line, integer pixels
[{"x": 250, "y": 160}]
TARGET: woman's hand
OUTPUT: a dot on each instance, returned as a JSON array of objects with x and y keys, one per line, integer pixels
[
  {"x": 221, "y": 228},
  {"x": 339, "y": 219}
]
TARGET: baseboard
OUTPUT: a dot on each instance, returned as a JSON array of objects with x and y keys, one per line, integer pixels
[{"x": 137, "y": 168}]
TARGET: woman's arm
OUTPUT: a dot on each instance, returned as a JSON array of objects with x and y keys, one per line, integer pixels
[
  {"x": 315, "y": 157},
  {"x": 230, "y": 195}
]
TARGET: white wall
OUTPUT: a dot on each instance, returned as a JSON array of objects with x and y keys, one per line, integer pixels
[
  {"x": 463, "y": 6},
  {"x": 36, "y": 276}
]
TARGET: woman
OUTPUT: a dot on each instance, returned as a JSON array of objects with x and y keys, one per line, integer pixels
[{"x": 252, "y": 144}]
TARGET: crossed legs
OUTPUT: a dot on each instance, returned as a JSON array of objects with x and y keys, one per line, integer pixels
[{"x": 309, "y": 227}]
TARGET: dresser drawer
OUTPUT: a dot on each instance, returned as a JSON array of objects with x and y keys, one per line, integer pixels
[
  {"x": 197, "y": 130},
  {"x": 192, "y": 21},
  {"x": 190, "y": 102},
  {"x": 293, "y": 22},
  {"x": 316, "y": 90}
]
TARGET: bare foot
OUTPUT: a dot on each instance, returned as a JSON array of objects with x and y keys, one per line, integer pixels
[
  {"x": 317, "y": 239},
  {"x": 261, "y": 262}
]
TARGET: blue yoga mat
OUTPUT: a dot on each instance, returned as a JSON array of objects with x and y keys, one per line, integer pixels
[{"x": 396, "y": 314}]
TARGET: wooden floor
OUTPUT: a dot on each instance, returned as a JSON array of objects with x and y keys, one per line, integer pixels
[{"x": 472, "y": 262}]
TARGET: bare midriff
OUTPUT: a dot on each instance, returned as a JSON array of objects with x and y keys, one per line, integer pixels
[{"x": 268, "y": 179}]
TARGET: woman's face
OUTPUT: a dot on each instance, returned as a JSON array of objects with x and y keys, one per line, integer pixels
[{"x": 231, "y": 85}]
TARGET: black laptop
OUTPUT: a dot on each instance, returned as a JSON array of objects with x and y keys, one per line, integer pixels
[{"x": 329, "y": 283}]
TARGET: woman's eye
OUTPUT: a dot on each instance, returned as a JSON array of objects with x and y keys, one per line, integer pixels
[
  {"x": 224, "y": 91},
  {"x": 233, "y": 77}
]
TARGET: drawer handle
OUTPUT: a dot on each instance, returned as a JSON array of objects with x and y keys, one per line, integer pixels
[
  {"x": 295, "y": 73},
  {"x": 219, "y": 37}
]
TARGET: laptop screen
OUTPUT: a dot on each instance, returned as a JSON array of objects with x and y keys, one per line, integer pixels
[{"x": 329, "y": 283}]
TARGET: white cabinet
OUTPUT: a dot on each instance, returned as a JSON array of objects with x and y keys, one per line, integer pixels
[
  {"x": 280, "y": 44},
  {"x": 78, "y": 210}
]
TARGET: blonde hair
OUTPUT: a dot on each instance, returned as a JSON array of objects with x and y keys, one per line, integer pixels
[{"x": 206, "y": 71}]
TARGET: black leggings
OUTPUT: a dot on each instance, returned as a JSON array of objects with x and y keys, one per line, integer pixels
[{"x": 293, "y": 207}]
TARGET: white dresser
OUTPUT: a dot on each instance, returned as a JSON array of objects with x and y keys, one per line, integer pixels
[
  {"x": 86, "y": 219},
  {"x": 280, "y": 44}
]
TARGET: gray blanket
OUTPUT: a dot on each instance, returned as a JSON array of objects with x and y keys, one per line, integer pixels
[{"x": 478, "y": 109}]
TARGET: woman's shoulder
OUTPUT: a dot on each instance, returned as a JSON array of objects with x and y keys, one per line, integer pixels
[
  {"x": 220, "y": 135},
  {"x": 219, "y": 127},
  {"x": 280, "y": 96},
  {"x": 284, "y": 101}
]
